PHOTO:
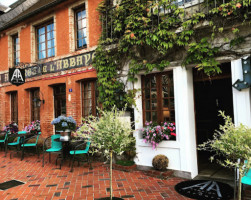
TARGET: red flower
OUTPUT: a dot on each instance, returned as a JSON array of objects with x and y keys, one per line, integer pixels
[
  {"x": 238, "y": 5},
  {"x": 174, "y": 134},
  {"x": 132, "y": 35}
]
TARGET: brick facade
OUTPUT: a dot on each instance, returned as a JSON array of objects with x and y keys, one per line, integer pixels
[{"x": 63, "y": 17}]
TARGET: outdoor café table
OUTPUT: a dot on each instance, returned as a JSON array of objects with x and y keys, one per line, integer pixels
[
  {"x": 67, "y": 145},
  {"x": 65, "y": 149}
]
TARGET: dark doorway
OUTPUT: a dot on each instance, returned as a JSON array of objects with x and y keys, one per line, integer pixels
[
  {"x": 211, "y": 95},
  {"x": 59, "y": 100}
]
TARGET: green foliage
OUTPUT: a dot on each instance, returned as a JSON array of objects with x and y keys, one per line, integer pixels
[
  {"x": 109, "y": 132},
  {"x": 204, "y": 54},
  {"x": 233, "y": 143},
  {"x": 125, "y": 162},
  {"x": 135, "y": 28}
]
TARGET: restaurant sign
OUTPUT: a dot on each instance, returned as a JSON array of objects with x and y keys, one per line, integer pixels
[
  {"x": 17, "y": 76},
  {"x": 53, "y": 66}
]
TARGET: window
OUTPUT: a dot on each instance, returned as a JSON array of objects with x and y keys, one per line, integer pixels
[
  {"x": 158, "y": 97},
  {"x": 16, "y": 49},
  {"x": 80, "y": 21},
  {"x": 14, "y": 107},
  {"x": 89, "y": 98},
  {"x": 45, "y": 41},
  {"x": 59, "y": 100},
  {"x": 35, "y": 108}
]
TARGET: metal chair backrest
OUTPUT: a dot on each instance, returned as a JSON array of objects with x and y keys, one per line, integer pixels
[
  {"x": 55, "y": 144},
  {"x": 88, "y": 146},
  {"x": 20, "y": 132},
  {"x": 248, "y": 174},
  {"x": 6, "y": 136},
  {"x": 39, "y": 133}
]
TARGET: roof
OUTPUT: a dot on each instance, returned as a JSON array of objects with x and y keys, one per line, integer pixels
[
  {"x": 24, "y": 9},
  {"x": 2, "y": 7}
]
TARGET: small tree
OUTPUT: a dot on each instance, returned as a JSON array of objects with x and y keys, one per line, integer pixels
[
  {"x": 233, "y": 143},
  {"x": 110, "y": 134}
]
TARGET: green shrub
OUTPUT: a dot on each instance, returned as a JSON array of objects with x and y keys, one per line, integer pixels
[
  {"x": 233, "y": 143},
  {"x": 125, "y": 162},
  {"x": 160, "y": 162}
]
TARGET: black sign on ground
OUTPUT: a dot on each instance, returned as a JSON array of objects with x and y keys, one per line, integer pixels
[
  {"x": 205, "y": 190},
  {"x": 17, "y": 76}
]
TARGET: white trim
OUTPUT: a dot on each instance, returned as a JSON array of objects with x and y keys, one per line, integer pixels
[
  {"x": 241, "y": 99},
  {"x": 10, "y": 35},
  {"x": 72, "y": 29},
  {"x": 33, "y": 36}
]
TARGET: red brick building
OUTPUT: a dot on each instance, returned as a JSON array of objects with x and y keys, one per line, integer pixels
[{"x": 54, "y": 40}]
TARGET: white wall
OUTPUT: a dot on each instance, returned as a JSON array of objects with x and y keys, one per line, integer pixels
[
  {"x": 182, "y": 152},
  {"x": 241, "y": 99}
]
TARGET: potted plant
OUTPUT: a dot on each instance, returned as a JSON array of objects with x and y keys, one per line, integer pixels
[
  {"x": 154, "y": 134},
  {"x": 12, "y": 128},
  {"x": 110, "y": 135},
  {"x": 33, "y": 128},
  {"x": 64, "y": 125},
  {"x": 233, "y": 143}
]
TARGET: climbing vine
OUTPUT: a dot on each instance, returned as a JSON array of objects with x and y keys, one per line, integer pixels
[{"x": 147, "y": 35}]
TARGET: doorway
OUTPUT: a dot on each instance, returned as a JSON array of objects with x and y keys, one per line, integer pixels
[
  {"x": 59, "y": 100},
  {"x": 211, "y": 95}
]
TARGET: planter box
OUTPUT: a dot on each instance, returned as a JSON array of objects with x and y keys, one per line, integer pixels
[
  {"x": 124, "y": 168},
  {"x": 159, "y": 174}
]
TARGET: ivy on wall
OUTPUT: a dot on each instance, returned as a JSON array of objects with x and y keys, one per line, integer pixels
[{"x": 150, "y": 34}]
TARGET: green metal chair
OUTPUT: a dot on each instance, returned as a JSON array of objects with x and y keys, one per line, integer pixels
[
  {"x": 3, "y": 141},
  {"x": 55, "y": 146},
  {"x": 25, "y": 144},
  {"x": 247, "y": 178},
  {"x": 17, "y": 143},
  {"x": 78, "y": 151}
]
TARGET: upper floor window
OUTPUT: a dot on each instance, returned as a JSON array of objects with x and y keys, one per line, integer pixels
[
  {"x": 80, "y": 21},
  {"x": 16, "y": 49},
  {"x": 45, "y": 41},
  {"x": 158, "y": 97}
]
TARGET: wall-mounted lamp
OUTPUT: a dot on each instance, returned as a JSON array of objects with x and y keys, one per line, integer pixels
[
  {"x": 166, "y": 112},
  {"x": 38, "y": 101}
]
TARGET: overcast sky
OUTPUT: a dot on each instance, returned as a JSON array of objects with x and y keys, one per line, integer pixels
[{"x": 7, "y": 2}]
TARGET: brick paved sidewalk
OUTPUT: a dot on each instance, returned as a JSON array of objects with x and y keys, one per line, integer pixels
[{"x": 51, "y": 183}]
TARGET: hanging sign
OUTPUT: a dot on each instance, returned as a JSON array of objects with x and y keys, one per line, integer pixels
[{"x": 17, "y": 76}]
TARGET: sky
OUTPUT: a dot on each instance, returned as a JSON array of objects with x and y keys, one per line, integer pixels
[{"x": 7, "y": 2}]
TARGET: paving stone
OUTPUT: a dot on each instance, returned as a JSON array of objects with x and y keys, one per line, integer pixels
[
  {"x": 52, "y": 183},
  {"x": 57, "y": 194}
]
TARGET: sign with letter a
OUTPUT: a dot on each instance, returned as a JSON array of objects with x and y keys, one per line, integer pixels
[{"x": 17, "y": 76}]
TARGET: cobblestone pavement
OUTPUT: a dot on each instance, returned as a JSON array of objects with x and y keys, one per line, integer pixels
[{"x": 49, "y": 182}]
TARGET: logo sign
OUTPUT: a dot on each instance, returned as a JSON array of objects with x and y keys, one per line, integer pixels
[
  {"x": 205, "y": 190},
  {"x": 17, "y": 76}
]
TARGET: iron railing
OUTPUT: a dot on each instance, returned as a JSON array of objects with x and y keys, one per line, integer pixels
[{"x": 190, "y": 7}]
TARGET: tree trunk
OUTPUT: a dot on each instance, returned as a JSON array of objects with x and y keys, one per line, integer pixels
[
  {"x": 111, "y": 175},
  {"x": 239, "y": 188}
]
